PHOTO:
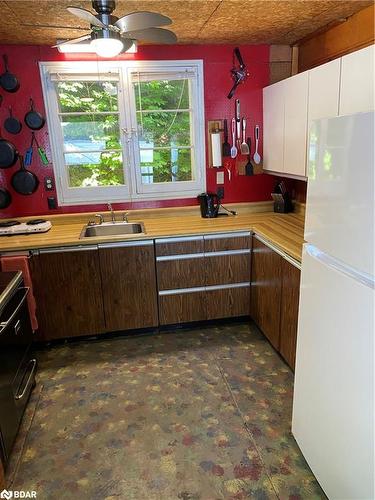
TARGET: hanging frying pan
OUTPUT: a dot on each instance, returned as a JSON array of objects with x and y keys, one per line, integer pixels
[
  {"x": 34, "y": 119},
  {"x": 11, "y": 124},
  {"x": 8, "y": 81},
  {"x": 24, "y": 181},
  {"x": 5, "y": 198},
  {"x": 8, "y": 153}
]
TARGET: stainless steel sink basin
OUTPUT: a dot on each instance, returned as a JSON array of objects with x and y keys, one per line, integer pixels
[{"x": 112, "y": 229}]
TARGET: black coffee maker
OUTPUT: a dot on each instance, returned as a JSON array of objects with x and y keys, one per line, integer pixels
[{"x": 210, "y": 204}]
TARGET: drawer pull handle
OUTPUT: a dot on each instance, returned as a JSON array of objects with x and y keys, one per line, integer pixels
[
  {"x": 29, "y": 380},
  {"x": 4, "y": 324}
]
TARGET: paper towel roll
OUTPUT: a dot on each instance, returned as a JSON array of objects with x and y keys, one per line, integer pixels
[{"x": 217, "y": 160}]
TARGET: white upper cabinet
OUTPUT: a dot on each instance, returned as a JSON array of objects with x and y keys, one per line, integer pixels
[
  {"x": 324, "y": 90},
  {"x": 357, "y": 82},
  {"x": 273, "y": 127},
  {"x": 295, "y": 124}
]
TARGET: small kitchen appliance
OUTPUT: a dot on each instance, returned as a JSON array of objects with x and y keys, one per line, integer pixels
[
  {"x": 13, "y": 227},
  {"x": 210, "y": 204}
]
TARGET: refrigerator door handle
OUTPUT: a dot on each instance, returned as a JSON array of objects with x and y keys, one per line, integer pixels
[{"x": 341, "y": 267}]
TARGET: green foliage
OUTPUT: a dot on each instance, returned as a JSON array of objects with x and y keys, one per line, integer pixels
[{"x": 156, "y": 129}]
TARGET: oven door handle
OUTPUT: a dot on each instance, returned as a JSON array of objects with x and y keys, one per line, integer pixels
[
  {"x": 29, "y": 379},
  {"x": 4, "y": 324}
]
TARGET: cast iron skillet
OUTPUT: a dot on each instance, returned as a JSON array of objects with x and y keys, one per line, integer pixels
[
  {"x": 24, "y": 181},
  {"x": 5, "y": 198},
  {"x": 8, "y": 153},
  {"x": 34, "y": 119},
  {"x": 8, "y": 81},
  {"x": 11, "y": 124}
]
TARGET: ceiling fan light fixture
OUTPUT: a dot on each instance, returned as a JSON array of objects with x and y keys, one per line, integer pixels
[{"x": 107, "y": 43}]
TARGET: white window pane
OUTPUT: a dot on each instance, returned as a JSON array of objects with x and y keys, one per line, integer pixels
[
  {"x": 95, "y": 169},
  {"x": 88, "y": 132},
  {"x": 163, "y": 129},
  {"x": 87, "y": 96},
  {"x": 167, "y": 165},
  {"x": 162, "y": 94}
]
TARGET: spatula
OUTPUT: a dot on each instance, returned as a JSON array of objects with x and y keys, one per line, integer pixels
[
  {"x": 233, "y": 149},
  {"x": 244, "y": 146},
  {"x": 226, "y": 145},
  {"x": 256, "y": 154},
  {"x": 249, "y": 169}
]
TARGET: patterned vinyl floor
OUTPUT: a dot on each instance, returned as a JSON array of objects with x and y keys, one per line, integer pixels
[{"x": 198, "y": 414}]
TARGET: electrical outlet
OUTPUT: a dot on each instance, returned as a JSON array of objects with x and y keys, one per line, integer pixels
[
  {"x": 48, "y": 183},
  {"x": 219, "y": 177}
]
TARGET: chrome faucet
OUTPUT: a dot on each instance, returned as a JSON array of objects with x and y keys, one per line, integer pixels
[
  {"x": 100, "y": 218},
  {"x": 112, "y": 213}
]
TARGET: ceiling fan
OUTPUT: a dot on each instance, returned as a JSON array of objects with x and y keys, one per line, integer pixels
[{"x": 111, "y": 35}]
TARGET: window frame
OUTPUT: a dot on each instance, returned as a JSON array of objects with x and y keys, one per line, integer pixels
[{"x": 133, "y": 189}]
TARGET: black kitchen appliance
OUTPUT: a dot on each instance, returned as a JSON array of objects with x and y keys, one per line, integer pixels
[
  {"x": 282, "y": 202},
  {"x": 210, "y": 204},
  {"x": 17, "y": 366}
]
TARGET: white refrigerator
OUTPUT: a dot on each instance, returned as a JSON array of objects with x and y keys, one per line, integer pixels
[{"x": 333, "y": 408}]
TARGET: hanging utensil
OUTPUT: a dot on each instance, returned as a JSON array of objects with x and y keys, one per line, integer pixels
[
  {"x": 24, "y": 181},
  {"x": 34, "y": 119},
  {"x": 8, "y": 153},
  {"x": 256, "y": 156},
  {"x": 41, "y": 152},
  {"x": 8, "y": 81},
  {"x": 233, "y": 149},
  {"x": 249, "y": 169},
  {"x": 5, "y": 198},
  {"x": 29, "y": 151},
  {"x": 238, "y": 121},
  {"x": 244, "y": 146},
  {"x": 226, "y": 145},
  {"x": 11, "y": 124}
]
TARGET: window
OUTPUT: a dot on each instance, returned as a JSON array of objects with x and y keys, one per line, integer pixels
[{"x": 125, "y": 131}]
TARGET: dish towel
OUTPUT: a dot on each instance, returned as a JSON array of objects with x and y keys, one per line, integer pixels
[{"x": 21, "y": 263}]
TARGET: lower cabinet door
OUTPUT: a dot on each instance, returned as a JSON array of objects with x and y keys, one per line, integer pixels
[
  {"x": 291, "y": 276},
  {"x": 129, "y": 285},
  {"x": 180, "y": 272},
  {"x": 67, "y": 288},
  {"x": 266, "y": 269},
  {"x": 228, "y": 267},
  {"x": 182, "y": 307},
  {"x": 228, "y": 302}
]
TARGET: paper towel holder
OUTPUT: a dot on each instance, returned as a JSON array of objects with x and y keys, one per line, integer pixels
[{"x": 212, "y": 126}]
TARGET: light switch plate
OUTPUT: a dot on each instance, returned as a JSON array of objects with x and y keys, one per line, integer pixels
[{"x": 219, "y": 177}]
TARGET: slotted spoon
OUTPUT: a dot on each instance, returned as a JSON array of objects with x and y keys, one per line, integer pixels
[
  {"x": 233, "y": 149},
  {"x": 244, "y": 146}
]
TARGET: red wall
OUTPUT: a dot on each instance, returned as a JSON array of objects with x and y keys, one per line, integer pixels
[{"x": 23, "y": 61}]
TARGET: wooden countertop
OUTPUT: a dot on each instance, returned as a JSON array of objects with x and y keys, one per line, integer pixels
[{"x": 283, "y": 230}]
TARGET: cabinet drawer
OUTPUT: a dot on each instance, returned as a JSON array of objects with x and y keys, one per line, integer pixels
[
  {"x": 178, "y": 246},
  {"x": 182, "y": 307},
  {"x": 227, "y": 241},
  {"x": 181, "y": 272},
  {"x": 225, "y": 268},
  {"x": 228, "y": 302}
]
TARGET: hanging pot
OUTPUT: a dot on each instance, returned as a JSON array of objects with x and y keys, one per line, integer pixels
[
  {"x": 24, "y": 181},
  {"x": 8, "y": 81},
  {"x": 8, "y": 153},
  {"x": 34, "y": 119},
  {"x": 11, "y": 124},
  {"x": 5, "y": 198}
]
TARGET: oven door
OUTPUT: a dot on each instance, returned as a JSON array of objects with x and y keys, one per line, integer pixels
[{"x": 17, "y": 366}]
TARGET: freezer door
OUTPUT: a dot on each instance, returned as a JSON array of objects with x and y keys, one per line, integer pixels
[
  {"x": 333, "y": 407},
  {"x": 340, "y": 193}
]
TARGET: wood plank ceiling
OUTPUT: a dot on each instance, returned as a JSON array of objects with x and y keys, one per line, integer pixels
[{"x": 41, "y": 22}]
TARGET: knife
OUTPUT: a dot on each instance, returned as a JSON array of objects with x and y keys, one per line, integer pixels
[{"x": 238, "y": 121}]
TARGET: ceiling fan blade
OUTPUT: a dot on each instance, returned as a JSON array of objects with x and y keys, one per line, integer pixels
[
  {"x": 86, "y": 15},
  {"x": 141, "y": 20},
  {"x": 74, "y": 40},
  {"x": 155, "y": 35}
]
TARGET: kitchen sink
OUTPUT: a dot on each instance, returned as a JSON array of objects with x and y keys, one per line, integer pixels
[{"x": 112, "y": 229}]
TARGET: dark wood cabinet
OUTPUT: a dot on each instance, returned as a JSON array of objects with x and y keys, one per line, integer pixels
[
  {"x": 228, "y": 302},
  {"x": 67, "y": 286},
  {"x": 289, "y": 312},
  {"x": 266, "y": 270},
  {"x": 177, "y": 246},
  {"x": 129, "y": 285},
  {"x": 182, "y": 307},
  {"x": 227, "y": 268},
  {"x": 227, "y": 241},
  {"x": 181, "y": 272}
]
